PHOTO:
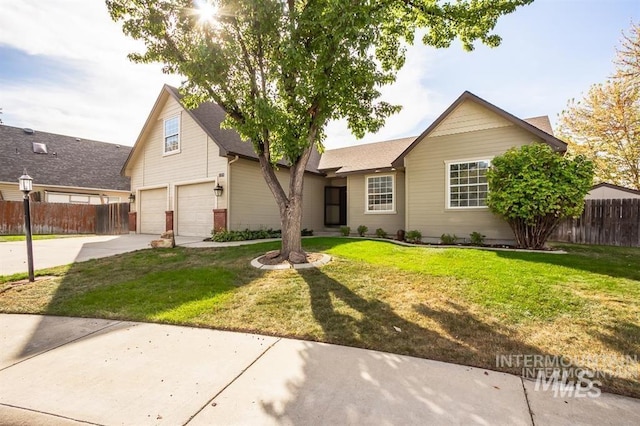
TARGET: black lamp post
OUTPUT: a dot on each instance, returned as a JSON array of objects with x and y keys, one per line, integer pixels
[{"x": 26, "y": 185}]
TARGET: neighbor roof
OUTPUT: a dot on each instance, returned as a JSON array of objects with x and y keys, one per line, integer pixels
[
  {"x": 70, "y": 161},
  {"x": 210, "y": 115},
  {"x": 618, "y": 187},
  {"x": 541, "y": 123},
  {"x": 554, "y": 142},
  {"x": 366, "y": 157}
]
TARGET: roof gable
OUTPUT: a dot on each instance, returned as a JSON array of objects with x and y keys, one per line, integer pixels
[
  {"x": 69, "y": 161},
  {"x": 468, "y": 116},
  {"x": 502, "y": 117},
  {"x": 209, "y": 116}
]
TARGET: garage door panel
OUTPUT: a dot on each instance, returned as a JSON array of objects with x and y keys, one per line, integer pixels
[
  {"x": 195, "y": 209},
  {"x": 153, "y": 204}
]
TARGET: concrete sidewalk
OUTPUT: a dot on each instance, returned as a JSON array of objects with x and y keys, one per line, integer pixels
[{"x": 68, "y": 371}]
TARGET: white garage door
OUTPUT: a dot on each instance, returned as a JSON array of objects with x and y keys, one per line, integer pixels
[
  {"x": 195, "y": 209},
  {"x": 153, "y": 204}
]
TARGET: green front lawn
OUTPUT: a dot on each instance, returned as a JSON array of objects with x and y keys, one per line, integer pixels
[{"x": 464, "y": 306}]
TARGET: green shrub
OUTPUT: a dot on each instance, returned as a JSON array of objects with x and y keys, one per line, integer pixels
[
  {"x": 533, "y": 188},
  {"x": 307, "y": 232},
  {"x": 380, "y": 233},
  {"x": 448, "y": 239},
  {"x": 247, "y": 234},
  {"x": 345, "y": 231},
  {"x": 362, "y": 230},
  {"x": 477, "y": 239},
  {"x": 413, "y": 236}
]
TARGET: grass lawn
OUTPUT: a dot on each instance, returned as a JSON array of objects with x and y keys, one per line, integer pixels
[
  {"x": 8, "y": 238},
  {"x": 464, "y": 306}
]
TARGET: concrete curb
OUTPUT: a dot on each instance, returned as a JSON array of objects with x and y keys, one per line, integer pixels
[{"x": 282, "y": 266}]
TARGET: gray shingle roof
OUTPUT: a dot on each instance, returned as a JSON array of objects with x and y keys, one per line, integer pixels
[
  {"x": 542, "y": 122},
  {"x": 210, "y": 115},
  {"x": 69, "y": 162},
  {"x": 358, "y": 158}
]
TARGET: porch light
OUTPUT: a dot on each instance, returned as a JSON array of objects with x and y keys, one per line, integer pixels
[
  {"x": 218, "y": 190},
  {"x": 132, "y": 198}
]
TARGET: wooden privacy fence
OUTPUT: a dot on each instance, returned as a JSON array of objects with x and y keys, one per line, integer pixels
[
  {"x": 607, "y": 222},
  {"x": 60, "y": 218}
]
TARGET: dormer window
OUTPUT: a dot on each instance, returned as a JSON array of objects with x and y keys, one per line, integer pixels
[{"x": 172, "y": 135}]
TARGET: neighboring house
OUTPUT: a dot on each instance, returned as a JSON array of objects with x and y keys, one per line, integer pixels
[
  {"x": 434, "y": 183},
  {"x": 607, "y": 191},
  {"x": 64, "y": 169}
]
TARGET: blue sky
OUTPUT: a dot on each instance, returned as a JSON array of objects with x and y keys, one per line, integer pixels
[{"x": 63, "y": 68}]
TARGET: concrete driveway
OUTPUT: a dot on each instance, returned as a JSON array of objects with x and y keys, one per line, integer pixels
[{"x": 62, "y": 251}]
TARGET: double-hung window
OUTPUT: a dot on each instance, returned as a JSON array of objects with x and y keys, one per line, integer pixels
[
  {"x": 380, "y": 194},
  {"x": 172, "y": 135},
  {"x": 467, "y": 184}
]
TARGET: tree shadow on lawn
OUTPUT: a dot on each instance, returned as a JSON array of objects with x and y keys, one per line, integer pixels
[
  {"x": 166, "y": 285},
  {"x": 614, "y": 266},
  {"x": 450, "y": 332},
  {"x": 458, "y": 336}
]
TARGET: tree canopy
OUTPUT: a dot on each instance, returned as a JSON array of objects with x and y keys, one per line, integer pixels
[
  {"x": 533, "y": 188},
  {"x": 283, "y": 69},
  {"x": 605, "y": 124}
]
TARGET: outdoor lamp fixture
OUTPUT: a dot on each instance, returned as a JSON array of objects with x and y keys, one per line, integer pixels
[
  {"x": 26, "y": 186},
  {"x": 132, "y": 198},
  {"x": 218, "y": 190}
]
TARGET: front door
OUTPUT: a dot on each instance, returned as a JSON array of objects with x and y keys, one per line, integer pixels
[{"x": 335, "y": 205}]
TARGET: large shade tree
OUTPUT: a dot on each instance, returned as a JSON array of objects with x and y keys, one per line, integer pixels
[
  {"x": 283, "y": 69},
  {"x": 605, "y": 124}
]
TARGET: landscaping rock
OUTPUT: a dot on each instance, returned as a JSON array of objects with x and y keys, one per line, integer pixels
[{"x": 167, "y": 240}]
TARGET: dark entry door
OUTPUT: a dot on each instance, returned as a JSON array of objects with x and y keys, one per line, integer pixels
[{"x": 335, "y": 205}]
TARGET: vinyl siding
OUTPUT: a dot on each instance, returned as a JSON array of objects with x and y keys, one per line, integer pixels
[
  {"x": 469, "y": 117},
  {"x": 252, "y": 205},
  {"x": 198, "y": 159},
  {"x": 356, "y": 199},
  {"x": 426, "y": 182}
]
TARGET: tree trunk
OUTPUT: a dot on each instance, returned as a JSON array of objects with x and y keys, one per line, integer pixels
[
  {"x": 291, "y": 220},
  {"x": 290, "y": 205},
  {"x": 533, "y": 236}
]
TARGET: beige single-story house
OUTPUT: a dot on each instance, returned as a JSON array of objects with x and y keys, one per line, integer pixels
[
  {"x": 434, "y": 183},
  {"x": 608, "y": 191},
  {"x": 65, "y": 169}
]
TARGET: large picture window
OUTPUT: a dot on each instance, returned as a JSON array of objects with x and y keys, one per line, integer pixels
[
  {"x": 380, "y": 194},
  {"x": 467, "y": 184},
  {"x": 171, "y": 135}
]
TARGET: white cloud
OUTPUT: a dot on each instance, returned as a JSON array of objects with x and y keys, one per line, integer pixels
[
  {"x": 411, "y": 90},
  {"x": 112, "y": 98}
]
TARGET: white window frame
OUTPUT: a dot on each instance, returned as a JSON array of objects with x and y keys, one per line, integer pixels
[
  {"x": 393, "y": 194},
  {"x": 448, "y": 165},
  {"x": 165, "y": 136}
]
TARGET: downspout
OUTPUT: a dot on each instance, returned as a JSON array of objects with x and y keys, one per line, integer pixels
[{"x": 228, "y": 191}]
